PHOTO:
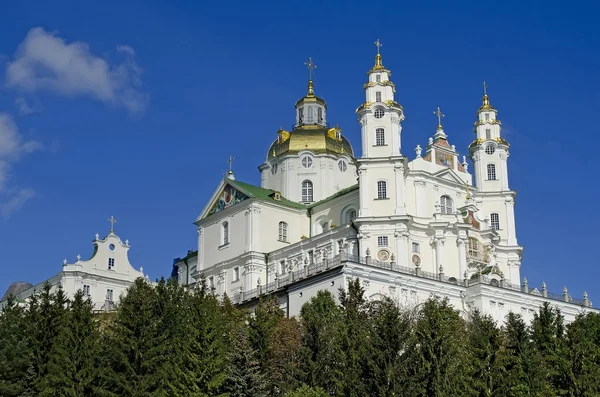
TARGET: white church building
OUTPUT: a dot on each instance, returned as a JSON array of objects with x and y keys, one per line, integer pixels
[
  {"x": 407, "y": 227},
  {"x": 103, "y": 278}
]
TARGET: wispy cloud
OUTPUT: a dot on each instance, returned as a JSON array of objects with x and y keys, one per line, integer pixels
[
  {"x": 23, "y": 106},
  {"x": 46, "y": 62},
  {"x": 12, "y": 148}
]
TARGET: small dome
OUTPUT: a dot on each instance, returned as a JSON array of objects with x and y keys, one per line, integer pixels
[
  {"x": 16, "y": 288},
  {"x": 314, "y": 138}
]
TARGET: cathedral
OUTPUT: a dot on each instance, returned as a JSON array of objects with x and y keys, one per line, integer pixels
[{"x": 409, "y": 227}]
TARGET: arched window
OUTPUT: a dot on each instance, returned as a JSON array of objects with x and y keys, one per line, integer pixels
[
  {"x": 307, "y": 191},
  {"x": 491, "y": 171},
  {"x": 495, "y": 221},
  {"x": 300, "y": 115},
  {"x": 225, "y": 227},
  {"x": 379, "y": 137},
  {"x": 350, "y": 215},
  {"x": 283, "y": 230},
  {"x": 381, "y": 190},
  {"x": 446, "y": 205}
]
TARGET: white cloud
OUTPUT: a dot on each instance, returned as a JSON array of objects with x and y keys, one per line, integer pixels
[
  {"x": 23, "y": 106},
  {"x": 46, "y": 62},
  {"x": 12, "y": 148}
]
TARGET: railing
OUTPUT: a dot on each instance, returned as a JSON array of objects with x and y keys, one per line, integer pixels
[{"x": 326, "y": 264}]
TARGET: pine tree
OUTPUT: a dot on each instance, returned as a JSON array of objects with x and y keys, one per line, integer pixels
[
  {"x": 72, "y": 369},
  {"x": 583, "y": 347},
  {"x": 485, "y": 343},
  {"x": 284, "y": 366},
  {"x": 15, "y": 351},
  {"x": 262, "y": 325},
  {"x": 306, "y": 391},
  {"x": 244, "y": 378},
  {"x": 322, "y": 324}
]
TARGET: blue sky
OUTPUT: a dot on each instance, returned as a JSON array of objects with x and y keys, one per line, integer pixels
[{"x": 141, "y": 122}]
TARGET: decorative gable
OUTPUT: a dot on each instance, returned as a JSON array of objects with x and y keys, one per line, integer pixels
[{"x": 229, "y": 196}]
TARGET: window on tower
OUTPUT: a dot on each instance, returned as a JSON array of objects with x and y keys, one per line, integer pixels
[
  {"x": 490, "y": 149},
  {"x": 378, "y": 96},
  {"x": 488, "y": 134},
  {"x": 307, "y": 192},
  {"x": 379, "y": 112},
  {"x": 300, "y": 115},
  {"x": 319, "y": 115},
  {"x": 446, "y": 205},
  {"x": 306, "y": 162},
  {"x": 495, "y": 221},
  {"x": 309, "y": 115},
  {"x": 378, "y": 78},
  {"x": 381, "y": 190},
  {"x": 379, "y": 137},
  {"x": 491, "y": 172},
  {"x": 487, "y": 117},
  {"x": 283, "y": 232}
]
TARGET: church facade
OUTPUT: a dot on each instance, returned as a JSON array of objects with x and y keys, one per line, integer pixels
[{"x": 407, "y": 227}]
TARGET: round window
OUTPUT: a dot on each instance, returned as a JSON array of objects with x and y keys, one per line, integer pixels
[
  {"x": 383, "y": 255},
  {"x": 490, "y": 149},
  {"x": 274, "y": 168},
  {"x": 111, "y": 247},
  {"x": 379, "y": 113},
  {"x": 343, "y": 166},
  {"x": 307, "y": 162}
]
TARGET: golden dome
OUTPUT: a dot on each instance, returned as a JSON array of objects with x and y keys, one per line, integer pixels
[{"x": 314, "y": 138}]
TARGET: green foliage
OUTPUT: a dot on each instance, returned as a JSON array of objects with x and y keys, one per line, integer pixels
[{"x": 166, "y": 340}]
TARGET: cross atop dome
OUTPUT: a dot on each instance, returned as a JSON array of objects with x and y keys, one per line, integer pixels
[
  {"x": 112, "y": 221},
  {"x": 311, "y": 66}
]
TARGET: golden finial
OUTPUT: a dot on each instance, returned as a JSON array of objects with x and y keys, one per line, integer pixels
[
  {"x": 311, "y": 66},
  {"x": 486, "y": 99},
  {"x": 378, "y": 63},
  {"x": 439, "y": 115},
  {"x": 112, "y": 221}
]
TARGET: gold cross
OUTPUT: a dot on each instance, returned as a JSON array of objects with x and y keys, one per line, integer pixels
[
  {"x": 310, "y": 65},
  {"x": 112, "y": 221},
  {"x": 439, "y": 115},
  {"x": 484, "y": 88},
  {"x": 378, "y": 45},
  {"x": 230, "y": 161}
]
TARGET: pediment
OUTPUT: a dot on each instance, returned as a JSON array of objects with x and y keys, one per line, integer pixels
[
  {"x": 449, "y": 175},
  {"x": 225, "y": 196}
]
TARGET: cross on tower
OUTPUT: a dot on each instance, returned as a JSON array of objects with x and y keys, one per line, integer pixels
[
  {"x": 378, "y": 45},
  {"x": 112, "y": 221},
  {"x": 310, "y": 65},
  {"x": 230, "y": 161},
  {"x": 439, "y": 115},
  {"x": 484, "y": 88}
]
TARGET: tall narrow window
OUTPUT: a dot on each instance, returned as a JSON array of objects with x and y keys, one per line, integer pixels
[
  {"x": 473, "y": 248},
  {"x": 309, "y": 115},
  {"x": 381, "y": 190},
  {"x": 282, "y": 267},
  {"x": 350, "y": 216},
  {"x": 378, "y": 78},
  {"x": 488, "y": 134},
  {"x": 111, "y": 263},
  {"x": 311, "y": 257},
  {"x": 379, "y": 137},
  {"x": 319, "y": 115},
  {"x": 86, "y": 290},
  {"x": 487, "y": 117},
  {"x": 382, "y": 241},
  {"x": 446, "y": 205},
  {"x": 491, "y": 171},
  {"x": 416, "y": 248},
  {"x": 300, "y": 115},
  {"x": 109, "y": 295},
  {"x": 495, "y": 221},
  {"x": 236, "y": 273},
  {"x": 378, "y": 96},
  {"x": 283, "y": 231},
  {"x": 307, "y": 191},
  {"x": 225, "y": 228}
]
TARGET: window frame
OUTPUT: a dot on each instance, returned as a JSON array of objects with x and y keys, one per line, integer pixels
[
  {"x": 282, "y": 232},
  {"x": 307, "y": 192},
  {"x": 236, "y": 273},
  {"x": 415, "y": 248},
  {"x": 491, "y": 172},
  {"x": 224, "y": 233},
  {"x": 488, "y": 133},
  {"x": 111, "y": 263},
  {"x": 380, "y": 137},
  {"x": 379, "y": 113},
  {"x": 495, "y": 221},
  {"x": 446, "y": 205},
  {"x": 110, "y": 295},
  {"x": 306, "y": 162},
  {"x": 382, "y": 190},
  {"x": 383, "y": 241},
  {"x": 377, "y": 96}
]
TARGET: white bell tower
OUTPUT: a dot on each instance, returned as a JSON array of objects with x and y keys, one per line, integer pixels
[{"x": 381, "y": 166}]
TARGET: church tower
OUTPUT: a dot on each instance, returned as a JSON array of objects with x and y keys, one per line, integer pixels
[{"x": 381, "y": 166}]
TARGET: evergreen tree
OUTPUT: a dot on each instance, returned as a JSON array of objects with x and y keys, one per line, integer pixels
[
  {"x": 72, "y": 369},
  {"x": 262, "y": 325},
  {"x": 15, "y": 351},
  {"x": 438, "y": 363},
  {"x": 322, "y": 324},
  {"x": 244, "y": 378},
  {"x": 306, "y": 391},
  {"x": 485, "y": 343},
  {"x": 284, "y": 367},
  {"x": 583, "y": 347}
]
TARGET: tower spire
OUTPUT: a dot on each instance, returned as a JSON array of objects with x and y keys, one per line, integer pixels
[
  {"x": 230, "y": 172},
  {"x": 439, "y": 115},
  {"x": 311, "y": 66},
  {"x": 378, "y": 62},
  {"x": 486, "y": 100}
]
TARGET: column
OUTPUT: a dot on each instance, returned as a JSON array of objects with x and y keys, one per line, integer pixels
[
  {"x": 439, "y": 253},
  {"x": 200, "y": 265},
  {"x": 395, "y": 130},
  {"x": 365, "y": 137},
  {"x": 248, "y": 242},
  {"x": 420, "y": 197},
  {"x": 255, "y": 238},
  {"x": 510, "y": 221},
  {"x": 364, "y": 191},
  {"x": 399, "y": 176},
  {"x": 504, "y": 166},
  {"x": 402, "y": 253},
  {"x": 462, "y": 258}
]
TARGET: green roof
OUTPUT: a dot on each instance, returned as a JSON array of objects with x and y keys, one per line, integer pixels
[
  {"x": 336, "y": 195},
  {"x": 264, "y": 194}
]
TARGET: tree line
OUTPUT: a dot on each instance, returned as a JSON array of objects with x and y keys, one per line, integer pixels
[{"x": 167, "y": 340}]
